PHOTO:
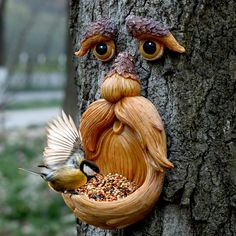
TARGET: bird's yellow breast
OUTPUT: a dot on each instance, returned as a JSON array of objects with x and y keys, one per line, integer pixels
[{"x": 67, "y": 178}]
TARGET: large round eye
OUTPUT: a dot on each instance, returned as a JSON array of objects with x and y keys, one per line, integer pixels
[
  {"x": 104, "y": 51},
  {"x": 150, "y": 49}
]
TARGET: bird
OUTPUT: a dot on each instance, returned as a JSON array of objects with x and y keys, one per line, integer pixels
[{"x": 64, "y": 166}]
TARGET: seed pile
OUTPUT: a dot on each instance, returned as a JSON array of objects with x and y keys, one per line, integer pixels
[{"x": 108, "y": 187}]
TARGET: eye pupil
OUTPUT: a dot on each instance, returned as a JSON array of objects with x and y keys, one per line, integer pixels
[
  {"x": 149, "y": 47},
  {"x": 101, "y": 48}
]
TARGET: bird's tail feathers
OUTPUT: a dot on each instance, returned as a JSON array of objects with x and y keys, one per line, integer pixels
[
  {"x": 31, "y": 171},
  {"x": 45, "y": 173}
]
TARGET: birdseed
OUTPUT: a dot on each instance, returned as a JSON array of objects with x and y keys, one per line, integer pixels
[{"x": 108, "y": 187}]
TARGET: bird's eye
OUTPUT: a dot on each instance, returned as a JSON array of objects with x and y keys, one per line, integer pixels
[
  {"x": 150, "y": 49},
  {"x": 104, "y": 51}
]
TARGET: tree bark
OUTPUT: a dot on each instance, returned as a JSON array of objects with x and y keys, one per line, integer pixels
[
  {"x": 195, "y": 95},
  {"x": 70, "y": 101}
]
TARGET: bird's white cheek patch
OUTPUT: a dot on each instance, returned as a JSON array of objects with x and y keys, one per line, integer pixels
[{"x": 89, "y": 171}]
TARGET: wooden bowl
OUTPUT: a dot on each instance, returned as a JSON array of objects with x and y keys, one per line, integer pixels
[
  {"x": 126, "y": 137},
  {"x": 119, "y": 213}
]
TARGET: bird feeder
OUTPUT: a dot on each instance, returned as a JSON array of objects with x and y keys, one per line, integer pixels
[{"x": 122, "y": 133}]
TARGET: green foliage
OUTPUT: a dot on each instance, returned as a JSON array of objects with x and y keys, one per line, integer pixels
[{"x": 27, "y": 205}]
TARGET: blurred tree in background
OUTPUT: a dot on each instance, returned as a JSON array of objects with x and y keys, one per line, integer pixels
[
  {"x": 38, "y": 48},
  {"x": 3, "y": 70},
  {"x": 35, "y": 30},
  {"x": 2, "y": 30}
]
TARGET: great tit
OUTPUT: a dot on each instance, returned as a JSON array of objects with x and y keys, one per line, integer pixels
[{"x": 64, "y": 167}]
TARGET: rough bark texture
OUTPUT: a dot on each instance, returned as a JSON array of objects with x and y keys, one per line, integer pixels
[
  {"x": 195, "y": 94},
  {"x": 70, "y": 96}
]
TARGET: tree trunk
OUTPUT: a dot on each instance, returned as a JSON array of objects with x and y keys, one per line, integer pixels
[
  {"x": 70, "y": 101},
  {"x": 195, "y": 95}
]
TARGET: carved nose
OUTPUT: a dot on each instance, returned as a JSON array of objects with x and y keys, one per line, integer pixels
[
  {"x": 122, "y": 81},
  {"x": 124, "y": 66}
]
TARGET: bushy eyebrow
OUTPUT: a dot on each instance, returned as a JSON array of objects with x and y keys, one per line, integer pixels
[
  {"x": 105, "y": 27},
  {"x": 143, "y": 29},
  {"x": 138, "y": 26},
  {"x": 98, "y": 31}
]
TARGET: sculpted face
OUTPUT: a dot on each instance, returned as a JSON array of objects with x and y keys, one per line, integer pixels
[{"x": 123, "y": 111}]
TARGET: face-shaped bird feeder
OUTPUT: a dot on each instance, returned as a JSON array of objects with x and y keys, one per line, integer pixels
[{"x": 123, "y": 132}]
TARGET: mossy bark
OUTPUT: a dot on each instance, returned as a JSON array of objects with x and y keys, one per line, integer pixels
[{"x": 195, "y": 94}]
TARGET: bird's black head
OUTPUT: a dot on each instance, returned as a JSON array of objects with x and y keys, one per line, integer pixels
[{"x": 89, "y": 168}]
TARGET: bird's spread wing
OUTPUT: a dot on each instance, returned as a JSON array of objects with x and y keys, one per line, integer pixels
[{"x": 63, "y": 142}]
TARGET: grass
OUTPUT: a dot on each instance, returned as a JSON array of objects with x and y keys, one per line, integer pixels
[
  {"x": 34, "y": 104},
  {"x": 28, "y": 207}
]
